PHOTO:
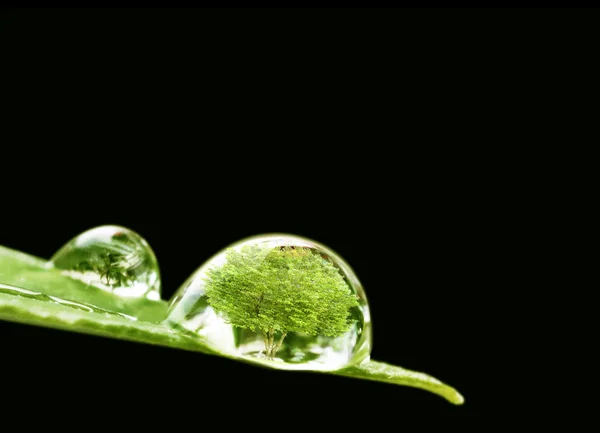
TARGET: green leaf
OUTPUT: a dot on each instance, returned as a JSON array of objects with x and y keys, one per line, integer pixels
[
  {"x": 33, "y": 293},
  {"x": 381, "y": 372}
]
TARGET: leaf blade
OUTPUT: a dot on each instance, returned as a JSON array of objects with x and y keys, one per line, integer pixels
[{"x": 382, "y": 372}]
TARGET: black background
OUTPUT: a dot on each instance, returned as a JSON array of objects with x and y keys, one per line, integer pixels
[{"x": 345, "y": 129}]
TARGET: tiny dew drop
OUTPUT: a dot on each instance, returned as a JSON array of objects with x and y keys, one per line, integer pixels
[
  {"x": 114, "y": 259},
  {"x": 278, "y": 300}
]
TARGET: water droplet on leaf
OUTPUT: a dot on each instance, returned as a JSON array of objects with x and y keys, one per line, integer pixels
[
  {"x": 114, "y": 259},
  {"x": 278, "y": 300}
]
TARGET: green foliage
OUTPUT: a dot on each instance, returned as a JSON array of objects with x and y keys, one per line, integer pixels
[
  {"x": 283, "y": 290},
  {"x": 112, "y": 267}
]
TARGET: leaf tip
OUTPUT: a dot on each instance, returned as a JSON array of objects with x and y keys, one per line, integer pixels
[{"x": 456, "y": 398}]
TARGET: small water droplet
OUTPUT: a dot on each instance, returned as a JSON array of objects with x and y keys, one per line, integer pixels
[
  {"x": 114, "y": 259},
  {"x": 278, "y": 300}
]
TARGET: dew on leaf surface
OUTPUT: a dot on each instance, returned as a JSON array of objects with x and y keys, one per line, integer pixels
[
  {"x": 114, "y": 259},
  {"x": 279, "y": 300}
]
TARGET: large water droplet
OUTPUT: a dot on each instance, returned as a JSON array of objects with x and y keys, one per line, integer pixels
[
  {"x": 114, "y": 259},
  {"x": 278, "y": 300}
]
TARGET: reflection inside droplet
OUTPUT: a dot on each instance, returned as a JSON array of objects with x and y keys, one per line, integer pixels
[
  {"x": 114, "y": 259},
  {"x": 279, "y": 300}
]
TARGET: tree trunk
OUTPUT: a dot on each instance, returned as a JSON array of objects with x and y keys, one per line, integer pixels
[
  {"x": 266, "y": 340},
  {"x": 271, "y": 338},
  {"x": 271, "y": 346},
  {"x": 278, "y": 345}
]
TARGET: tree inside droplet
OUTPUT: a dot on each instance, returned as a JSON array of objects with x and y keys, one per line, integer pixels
[
  {"x": 114, "y": 259},
  {"x": 278, "y": 300},
  {"x": 277, "y": 291}
]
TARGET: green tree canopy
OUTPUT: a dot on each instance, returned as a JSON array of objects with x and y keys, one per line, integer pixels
[{"x": 287, "y": 289}]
